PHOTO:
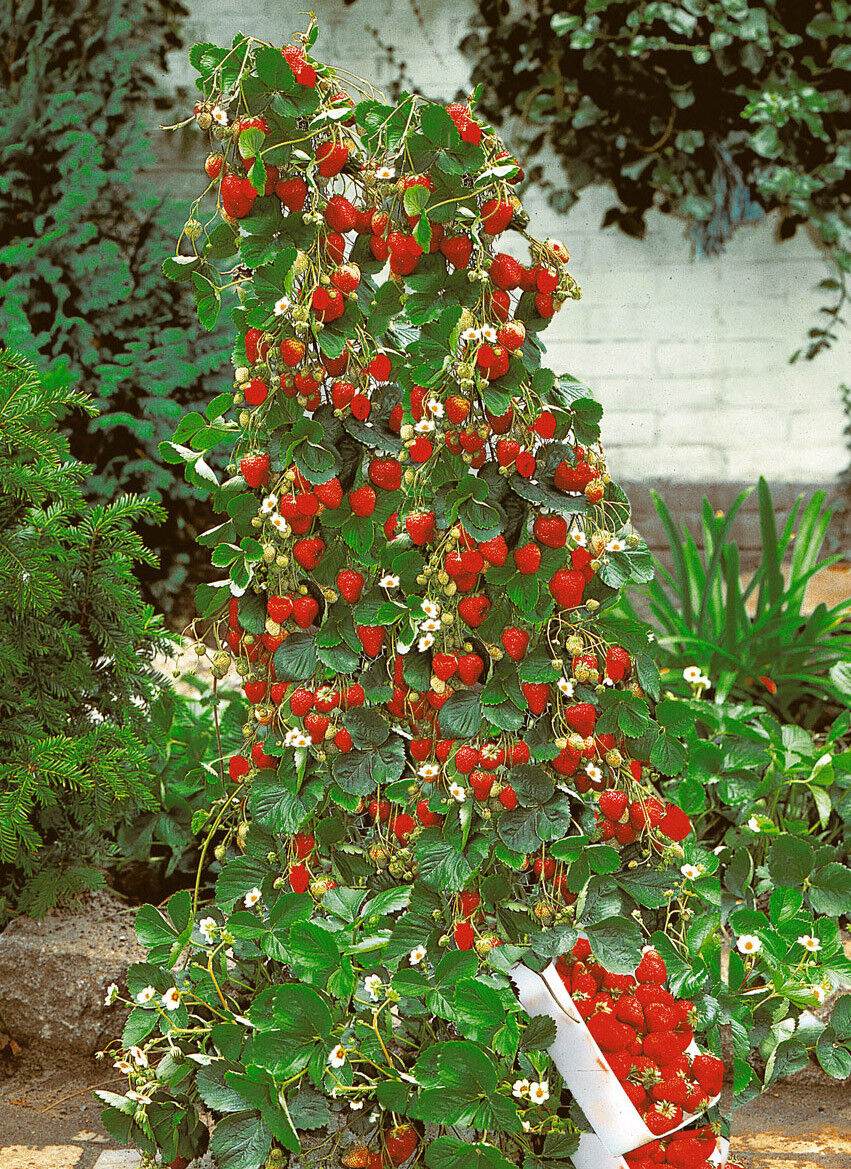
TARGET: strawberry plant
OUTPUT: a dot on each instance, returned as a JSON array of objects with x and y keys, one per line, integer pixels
[{"x": 454, "y": 748}]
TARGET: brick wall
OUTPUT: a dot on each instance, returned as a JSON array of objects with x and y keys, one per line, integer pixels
[{"x": 689, "y": 358}]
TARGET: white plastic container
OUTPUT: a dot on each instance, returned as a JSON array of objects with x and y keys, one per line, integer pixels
[
  {"x": 593, "y": 1154},
  {"x": 611, "y": 1113}
]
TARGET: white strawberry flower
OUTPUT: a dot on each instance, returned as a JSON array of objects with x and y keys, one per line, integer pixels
[
  {"x": 616, "y": 544},
  {"x": 818, "y": 992},
  {"x": 385, "y": 173},
  {"x": 754, "y": 824},
  {"x": 431, "y": 609},
  {"x": 279, "y": 523},
  {"x": 692, "y": 674},
  {"x": 424, "y": 426},
  {"x": 389, "y": 581},
  {"x": 124, "y": 1066},
  {"x": 219, "y": 116},
  {"x": 593, "y": 771},
  {"x": 526, "y": 1125},
  {"x": 356, "y": 1105},
  {"x": 111, "y": 994},
  {"x": 425, "y": 642},
  {"x": 809, "y": 943},
  {"x": 691, "y": 872},
  {"x": 469, "y": 334},
  {"x": 138, "y": 1097},
  {"x": 488, "y": 332},
  {"x": 337, "y": 1056},
  {"x": 373, "y": 984},
  {"x": 520, "y": 1088},
  {"x": 434, "y": 407},
  {"x": 207, "y": 928},
  {"x": 539, "y": 1093},
  {"x": 269, "y": 504},
  {"x": 428, "y": 771},
  {"x": 251, "y": 898},
  {"x": 430, "y": 625},
  {"x": 748, "y": 944},
  {"x": 566, "y": 686},
  {"x": 416, "y": 955},
  {"x": 578, "y": 537},
  {"x": 282, "y": 306},
  {"x": 138, "y": 1056},
  {"x": 171, "y": 999},
  {"x": 145, "y": 995},
  {"x": 458, "y": 792}
]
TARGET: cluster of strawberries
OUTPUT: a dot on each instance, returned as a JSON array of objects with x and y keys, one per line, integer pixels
[
  {"x": 645, "y": 1035},
  {"x": 621, "y": 819},
  {"x": 690, "y": 1148}
]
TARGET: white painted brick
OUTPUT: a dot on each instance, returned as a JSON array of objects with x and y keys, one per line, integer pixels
[
  {"x": 630, "y": 427},
  {"x": 817, "y": 427},
  {"x": 588, "y": 359},
  {"x": 818, "y": 464},
  {"x": 686, "y": 463}
]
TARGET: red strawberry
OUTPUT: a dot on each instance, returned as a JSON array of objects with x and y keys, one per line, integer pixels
[
  {"x": 304, "y": 843},
  {"x": 255, "y": 391},
  {"x": 356, "y": 1157},
  {"x": 457, "y": 249},
  {"x": 495, "y": 551},
  {"x": 299, "y": 878},
  {"x": 609, "y": 1033},
  {"x": 481, "y": 782},
  {"x": 444, "y": 666},
  {"x": 527, "y": 558},
  {"x": 308, "y": 553},
  {"x": 512, "y": 335},
  {"x": 648, "y": 811},
  {"x": 301, "y": 701},
  {"x": 350, "y": 584},
  {"x": 505, "y": 271},
  {"x": 464, "y": 935},
  {"x": 672, "y": 1088},
  {"x": 213, "y": 164},
  {"x": 651, "y": 968},
  {"x": 675, "y": 824},
  {"x": 685, "y": 1151},
  {"x": 457, "y": 409},
  {"x": 295, "y": 57},
  {"x": 340, "y": 214},
  {"x": 343, "y": 740},
  {"x": 386, "y": 473},
  {"x": 566, "y": 587},
  {"x": 537, "y": 695},
  {"x": 238, "y": 766},
  {"x": 550, "y": 530},
  {"x": 379, "y": 810},
  {"x": 708, "y": 1070},
  {"x": 636, "y": 1094},
  {"x": 332, "y": 157},
  {"x": 613, "y": 804},
  {"x": 507, "y": 450},
  {"x": 629, "y": 1010},
  {"x": 400, "y": 1143},
  {"x": 664, "y": 1046},
  {"x": 305, "y": 610},
  {"x": 545, "y": 424},
  {"x": 426, "y": 818},
  {"x": 508, "y": 798},
  {"x": 661, "y": 1017},
  {"x": 470, "y": 668},
  {"x": 581, "y": 718},
  {"x": 618, "y": 663},
  {"x": 473, "y": 610},
  {"x": 362, "y": 500},
  {"x": 238, "y": 196},
  {"x": 466, "y": 758},
  {"x": 468, "y": 129},
  {"x": 371, "y": 638},
  {"x": 292, "y": 193},
  {"x": 491, "y": 756},
  {"x": 420, "y": 526},
  {"x": 516, "y": 642},
  {"x": 346, "y": 278},
  {"x": 402, "y": 826},
  {"x": 520, "y": 753},
  {"x": 469, "y": 900},
  {"x": 496, "y": 215},
  {"x": 279, "y": 608},
  {"x": 661, "y": 1118},
  {"x": 255, "y": 470}
]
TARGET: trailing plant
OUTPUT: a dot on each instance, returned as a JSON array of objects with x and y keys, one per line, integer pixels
[
  {"x": 83, "y": 233},
  {"x": 713, "y": 111},
  {"x": 754, "y": 641},
  {"x": 76, "y": 643}
]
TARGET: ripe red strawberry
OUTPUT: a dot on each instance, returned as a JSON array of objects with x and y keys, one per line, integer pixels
[
  {"x": 301, "y": 701},
  {"x": 526, "y": 464},
  {"x": 505, "y": 271},
  {"x": 636, "y": 1094},
  {"x": 661, "y": 1118},
  {"x": 308, "y": 553},
  {"x": 516, "y": 642},
  {"x": 304, "y": 843},
  {"x": 326, "y": 699},
  {"x": 470, "y": 668},
  {"x": 649, "y": 811},
  {"x": 508, "y": 798},
  {"x": 512, "y": 335},
  {"x": 295, "y": 57},
  {"x": 340, "y": 214},
  {"x": 402, "y": 825},
  {"x": 457, "y": 409},
  {"x": 685, "y": 1151},
  {"x": 346, "y": 278},
  {"x": 613, "y": 804},
  {"x": 255, "y": 470},
  {"x": 362, "y": 500},
  {"x": 329, "y": 493},
  {"x": 618, "y": 663},
  {"x": 356, "y": 1157},
  {"x": 371, "y": 638},
  {"x": 238, "y": 766},
  {"x": 527, "y": 558},
  {"x": 420, "y": 526},
  {"x": 299, "y": 878},
  {"x": 481, "y": 782},
  {"x": 350, "y": 584},
  {"x": 550, "y": 530},
  {"x": 653, "y": 992},
  {"x": 279, "y": 608},
  {"x": 466, "y": 758},
  {"x": 629, "y": 1010},
  {"x": 495, "y": 551},
  {"x": 675, "y": 824},
  {"x": 444, "y": 666},
  {"x": 664, "y": 1046},
  {"x": 342, "y": 393},
  {"x": 496, "y": 215},
  {"x": 671, "y": 1088},
  {"x": 545, "y": 305},
  {"x": 292, "y": 193},
  {"x": 545, "y": 424},
  {"x": 305, "y": 610},
  {"x": 238, "y": 196},
  {"x": 566, "y": 587},
  {"x": 292, "y": 351},
  {"x": 651, "y": 968},
  {"x": 661, "y": 1017},
  {"x": 491, "y": 756},
  {"x": 708, "y": 1070},
  {"x": 537, "y": 695},
  {"x": 469, "y": 901},
  {"x": 581, "y": 718},
  {"x": 213, "y": 164},
  {"x": 473, "y": 610},
  {"x": 507, "y": 450},
  {"x": 609, "y": 1033},
  {"x": 400, "y": 1143},
  {"x": 379, "y": 810},
  {"x": 385, "y": 472},
  {"x": 426, "y": 818},
  {"x": 465, "y": 936},
  {"x": 332, "y": 157},
  {"x": 457, "y": 249}
]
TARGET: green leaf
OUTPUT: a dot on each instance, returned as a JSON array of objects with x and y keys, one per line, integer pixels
[
  {"x": 238, "y": 877},
  {"x": 790, "y": 860},
  {"x": 208, "y": 301},
  {"x": 461, "y": 715},
  {"x": 275, "y": 807},
  {"x": 438, "y": 128},
  {"x": 295, "y": 659},
  {"x": 441, "y": 863},
  {"x": 274, "y": 70},
  {"x": 616, "y": 943},
  {"x": 240, "y": 1141},
  {"x": 448, "y": 1152},
  {"x": 830, "y": 890}
]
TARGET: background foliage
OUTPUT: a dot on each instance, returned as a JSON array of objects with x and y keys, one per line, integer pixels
[
  {"x": 714, "y": 110},
  {"x": 75, "y": 649},
  {"x": 83, "y": 234}
]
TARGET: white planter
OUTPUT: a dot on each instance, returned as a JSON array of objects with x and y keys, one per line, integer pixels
[
  {"x": 611, "y": 1113},
  {"x": 593, "y": 1154}
]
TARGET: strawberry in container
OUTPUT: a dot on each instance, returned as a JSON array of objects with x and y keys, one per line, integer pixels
[
  {"x": 624, "y": 1046},
  {"x": 689, "y": 1148}
]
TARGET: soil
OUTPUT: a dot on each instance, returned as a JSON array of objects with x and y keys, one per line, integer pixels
[{"x": 50, "y": 1120}]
